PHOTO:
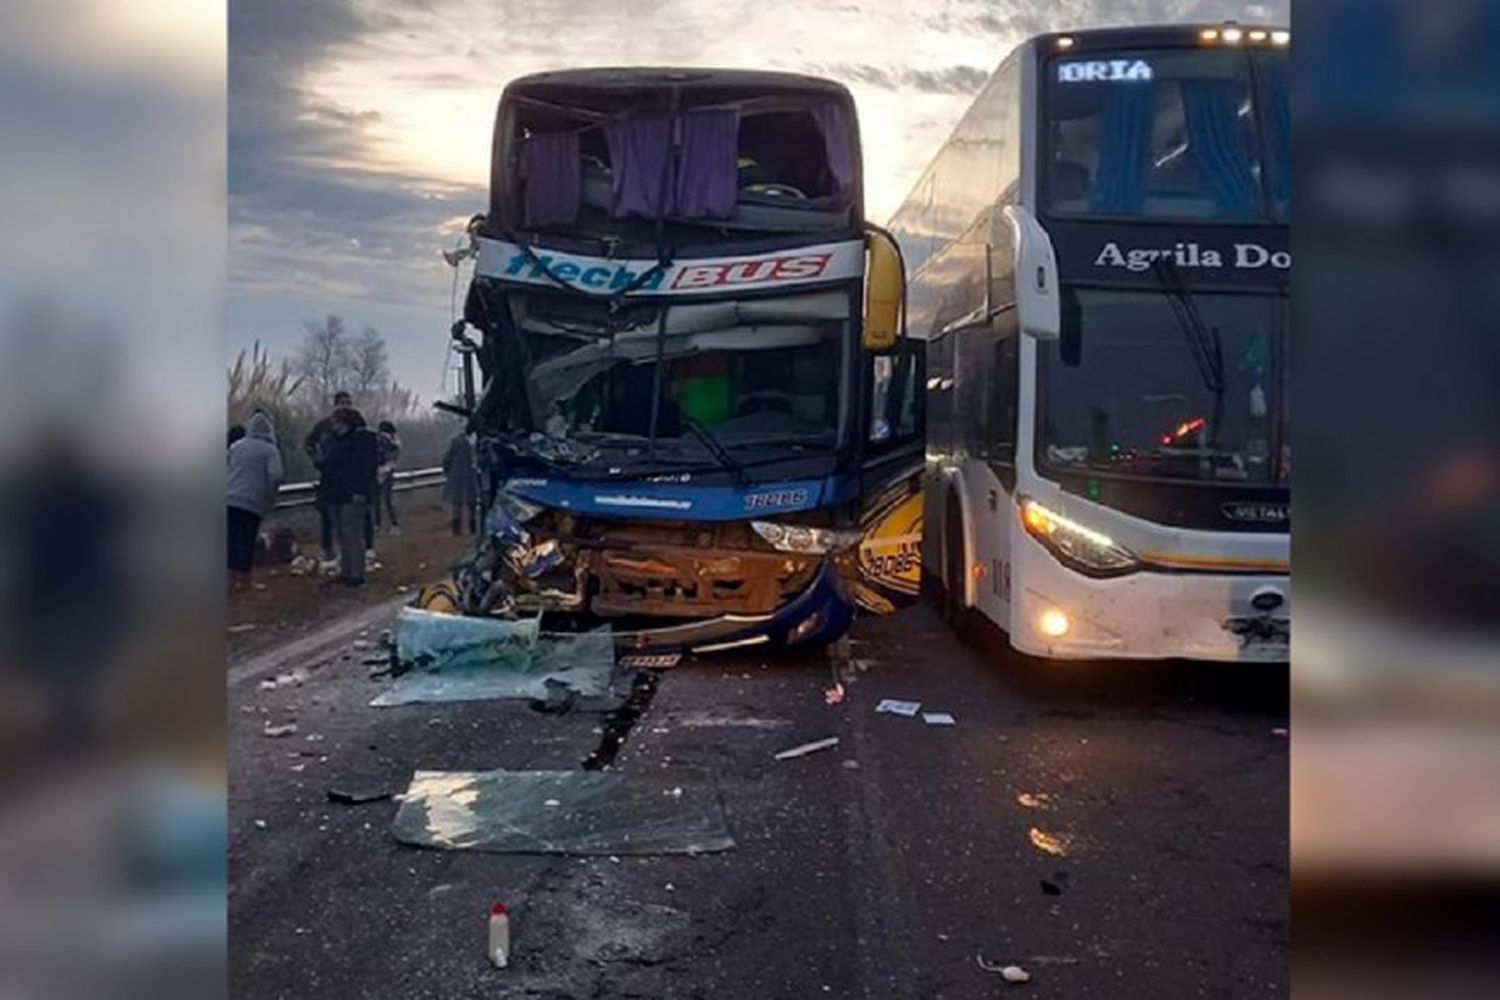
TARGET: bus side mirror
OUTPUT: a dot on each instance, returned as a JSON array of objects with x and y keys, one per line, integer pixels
[
  {"x": 885, "y": 292},
  {"x": 1038, "y": 298}
]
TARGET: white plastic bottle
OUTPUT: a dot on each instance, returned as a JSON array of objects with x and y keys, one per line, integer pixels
[{"x": 499, "y": 936}]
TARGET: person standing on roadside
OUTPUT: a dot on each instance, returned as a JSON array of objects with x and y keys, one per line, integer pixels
[
  {"x": 349, "y": 483},
  {"x": 255, "y": 471},
  {"x": 316, "y": 446},
  {"x": 461, "y": 481},
  {"x": 390, "y": 450}
]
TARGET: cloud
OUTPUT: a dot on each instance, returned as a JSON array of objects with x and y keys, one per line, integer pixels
[
  {"x": 948, "y": 80},
  {"x": 359, "y": 130}
]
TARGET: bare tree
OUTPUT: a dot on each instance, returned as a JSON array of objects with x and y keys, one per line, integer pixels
[
  {"x": 369, "y": 368},
  {"x": 324, "y": 360}
]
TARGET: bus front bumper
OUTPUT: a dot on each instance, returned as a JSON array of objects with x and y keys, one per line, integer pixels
[
  {"x": 1148, "y": 615},
  {"x": 820, "y": 614}
]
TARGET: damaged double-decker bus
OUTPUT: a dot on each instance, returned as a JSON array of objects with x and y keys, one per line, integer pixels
[{"x": 697, "y": 417}]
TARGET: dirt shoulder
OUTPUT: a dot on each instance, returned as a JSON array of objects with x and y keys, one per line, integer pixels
[{"x": 280, "y": 606}]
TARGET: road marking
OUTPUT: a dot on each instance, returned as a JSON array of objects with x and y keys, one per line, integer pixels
[{"x": 332, "y": 635}]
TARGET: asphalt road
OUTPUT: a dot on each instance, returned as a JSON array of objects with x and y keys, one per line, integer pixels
[{"x": 880, "y": 868}]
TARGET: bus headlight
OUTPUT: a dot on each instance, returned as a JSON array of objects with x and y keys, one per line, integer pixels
[
  {"x": 803, "y": 539},
  {"x": 1082, "y": 548}
]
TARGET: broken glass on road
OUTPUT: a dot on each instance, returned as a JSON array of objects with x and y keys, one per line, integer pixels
[
  {"x": 462, "y": 658},
  {"x": 563, "y": 812}
]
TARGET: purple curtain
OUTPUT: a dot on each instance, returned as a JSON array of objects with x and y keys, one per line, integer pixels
[
  {"x": 637, "y": 157},
  {"x": 707, "y": 175},
  {"x": 837, "y": 127},
  {"x": 551, "y": 168}
]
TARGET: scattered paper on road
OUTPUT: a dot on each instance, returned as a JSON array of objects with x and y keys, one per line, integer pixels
[
  {"x": 939, "y": 719},
  {"x": 595, "y": 812},
  {"x": 806, "y": 748},
  {"x": 891, "y": 706}
]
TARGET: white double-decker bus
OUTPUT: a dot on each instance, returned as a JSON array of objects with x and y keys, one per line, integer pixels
[{"x": 1100, "y": 266}]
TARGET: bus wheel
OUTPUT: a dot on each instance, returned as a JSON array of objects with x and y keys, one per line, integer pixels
[{"x": 953, "y": 567}]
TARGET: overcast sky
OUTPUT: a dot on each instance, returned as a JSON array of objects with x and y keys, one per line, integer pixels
[{"x": 359, "y": 130}]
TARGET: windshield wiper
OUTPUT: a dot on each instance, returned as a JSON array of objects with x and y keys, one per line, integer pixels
[
  {"x": 715, "y": 447},
  {"x": 1204, "y": 343}
]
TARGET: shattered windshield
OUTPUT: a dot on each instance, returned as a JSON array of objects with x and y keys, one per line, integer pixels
[
  {"x": 735, "y": 376},
  {"x": 1130, "y": 389}
]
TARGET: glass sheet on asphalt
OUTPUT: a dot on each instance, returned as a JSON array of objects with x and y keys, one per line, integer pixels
[
  {"x": 459, "y": 658},
  {"x": 563, "y": 812}
]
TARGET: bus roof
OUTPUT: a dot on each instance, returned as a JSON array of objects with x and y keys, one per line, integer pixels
[
  {"x": 612, "y": 86},
  {"x": 1143, "y": 35}
]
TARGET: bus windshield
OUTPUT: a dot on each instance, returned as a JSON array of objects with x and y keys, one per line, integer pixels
[
  {"x": 1134, "y": 387},
  {"x": 1178, "y": 134},
  {"x": 736, "y": 377}
]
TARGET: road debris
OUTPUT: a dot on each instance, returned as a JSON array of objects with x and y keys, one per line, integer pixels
[
  {"x": 1010, "y": 973},
  {"x": 804, "y": 749},
  {"x": 1048, "y": 843},
  {"x": 260, "y": 824},
  {"x": 892, "y": 706},
  {"x": 243, "y": 627},
  {"x": 608, "y": 813},
  {"x": 444, "y": 658},
  {"x": 833, "y": 695},
  {"x": 1033, "y": 800},
  {"x": 939, "y": 719},
  {"x": 559, "y": 699},
  {"x": 499, "y": 936},
  {"x": 1055, "y": 885},
  {"x": 276, "y": 732},
  {"x": 293, "y": 679},
  {"x": 1282, "y": 731},
  {"x": 357, "y": 798}
]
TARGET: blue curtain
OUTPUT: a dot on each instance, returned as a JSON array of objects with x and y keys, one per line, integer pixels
[
  {"x": 551, "y": 168},
  {"x": 638, "y": 149},
  {"x": 707, "y": 174},
  {"x": 1278, "y": 116},
  {"x": 1124, "y": 145},
  {"x": 838, "y": 142},
  {"x": 1216, "y": 139}
]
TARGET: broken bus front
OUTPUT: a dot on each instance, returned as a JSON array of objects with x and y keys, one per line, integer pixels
[{"x": 697, "y": 415}]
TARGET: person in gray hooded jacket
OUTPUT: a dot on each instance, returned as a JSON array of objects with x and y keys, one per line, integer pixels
[{"x": 255, "y": 471}]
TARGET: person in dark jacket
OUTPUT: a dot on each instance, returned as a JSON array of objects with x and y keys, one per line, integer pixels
[
  {"x": 390, "y": 450},
  {"x": 461, "y": 481},
  {"x": 349, "y": 484},
  {"x": 316, "y": 446}
]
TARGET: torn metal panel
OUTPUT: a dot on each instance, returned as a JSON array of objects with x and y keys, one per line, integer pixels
[
  {"x": 563, "y": 812},
  {"x": 559, "y": 562},
  {"x": 462, "y": 658}
]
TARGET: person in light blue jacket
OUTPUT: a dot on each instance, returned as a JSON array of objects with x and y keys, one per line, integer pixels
[{"x": 255, "y": 472}]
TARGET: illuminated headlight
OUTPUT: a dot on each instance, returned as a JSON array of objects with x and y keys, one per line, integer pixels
[
  {"x": 804, "y": 539},
  {"x": 1077, "y": 546}
]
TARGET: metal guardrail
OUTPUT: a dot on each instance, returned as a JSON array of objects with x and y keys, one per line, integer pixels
[{"x": 303, "y": 494}]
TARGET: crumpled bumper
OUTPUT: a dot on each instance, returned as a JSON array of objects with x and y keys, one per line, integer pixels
[{"x": 820, "y": 614}]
